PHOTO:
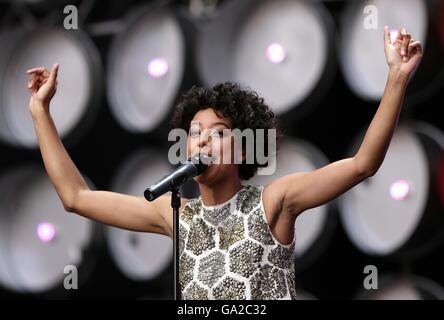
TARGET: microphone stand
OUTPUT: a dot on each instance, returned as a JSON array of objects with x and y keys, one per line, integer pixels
[{"x": 175, "y": 204}]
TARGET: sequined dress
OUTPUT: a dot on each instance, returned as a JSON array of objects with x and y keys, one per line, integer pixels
[{"x": 228, "y": 252}]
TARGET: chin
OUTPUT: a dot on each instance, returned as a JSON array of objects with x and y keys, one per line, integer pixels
[{"x": 208, "y": 177}]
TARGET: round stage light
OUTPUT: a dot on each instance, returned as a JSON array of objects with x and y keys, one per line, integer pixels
[
  {"x": 399, "y": 189},
  {"x": 46, "y": 232},
  {"x": 297, "y": 36},
  {"x": 147, "y": 67},
  {"x": 158, "y": 68},
  {"x": 77, "y": 100},
  {"x": 314, "y": 227},
  {"x": 275, "y": 53},
  {"x": 38, "y": 238},
  {"x": 140, "y": 256},
  {"x": 366, "y": 70},
  {"x": 396, "y": 212}
]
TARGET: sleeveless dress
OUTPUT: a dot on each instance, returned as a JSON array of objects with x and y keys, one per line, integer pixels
[{"x": 228, "y": 252}]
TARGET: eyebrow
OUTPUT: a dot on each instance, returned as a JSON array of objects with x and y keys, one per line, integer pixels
[{"x": 212, "y": 125}]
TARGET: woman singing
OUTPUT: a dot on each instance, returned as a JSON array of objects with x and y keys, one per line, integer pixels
[{"x": 236, "y": 241}]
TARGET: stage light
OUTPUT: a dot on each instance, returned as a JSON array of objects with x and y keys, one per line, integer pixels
[
  {"x": 77, "y": 101},
  {"x": 140, "y": 256},
  {"x": 313, "y": 228},
  {"x": 45, "y": 232},
  {"x": 382, "y": 215},
  {"x": 158, "y": 68},
  {"x": 399, "y": 190},
  {"x": 298, "y": 63},
  {"x": 147, "y": 67},
  {"x": 38, "y": 238},
  {"x": 366, "y": 70},
  {"x": 275, "y": 53}
]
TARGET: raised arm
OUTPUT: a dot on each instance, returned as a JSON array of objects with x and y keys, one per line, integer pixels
[
  {"x": 119, "y": 210},
  {"x": 301, "y": 191}
]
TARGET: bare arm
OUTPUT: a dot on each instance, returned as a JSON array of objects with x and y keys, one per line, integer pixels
[
  {"x": 120, "y": 210},
  {"x": 301, "y": 191}
]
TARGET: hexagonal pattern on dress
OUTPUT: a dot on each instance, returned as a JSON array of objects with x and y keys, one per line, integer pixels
[
  {"x": 192, "y": 208},
  {"x": 231, "y": 231},
  {"x": 269, "y": 283},
  {"x": 195, "y": 292},
  {"x": 247, "y": 199},
  {"x": 230, "y": 289},
  {"x": 200, "y": 237},
  {"x": 258, "y": 228},
  {"x": 244, "y": 257},
  {"x": 216, "y": 215},
  {"x": 186, "y": 269},
  {"x": 211, "y": 268},
  {"x": 282, "y": 257}
]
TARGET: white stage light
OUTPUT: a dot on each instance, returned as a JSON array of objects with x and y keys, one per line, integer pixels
[
  {"x": 388, "y": 216},
  {"x": 314, "y": 227},
  {"x": 38, "y": 238},
  {"x": 297, "y": 37},
  {"x": 140, "y": 256},
  {"x": 79, "y": 82},
  {"x": 146, "y": 68},
  {"x": 361, "y": 49}
]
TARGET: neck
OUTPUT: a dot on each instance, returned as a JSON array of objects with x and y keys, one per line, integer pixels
[{"x": 219, "y": 193}]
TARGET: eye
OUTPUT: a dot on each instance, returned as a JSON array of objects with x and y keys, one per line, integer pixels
[
  {"x": 223, "y": 133},
  {"x": 194, "y": 133},
  {"x": 217, "y": 133}
]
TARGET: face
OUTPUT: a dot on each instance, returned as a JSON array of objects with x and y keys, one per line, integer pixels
[{"x": 207, "y": 136}]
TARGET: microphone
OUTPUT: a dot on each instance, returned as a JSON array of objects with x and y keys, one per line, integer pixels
[{"x": 186, "y": 171}]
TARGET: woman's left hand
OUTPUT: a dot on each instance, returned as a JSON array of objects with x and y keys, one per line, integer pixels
[{"x": 404, "y": 54}]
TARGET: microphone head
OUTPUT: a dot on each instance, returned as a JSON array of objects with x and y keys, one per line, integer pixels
[{"x": 149, "y": 195}]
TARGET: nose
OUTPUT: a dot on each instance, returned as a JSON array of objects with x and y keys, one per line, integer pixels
[{"x": 204, "y": 144}]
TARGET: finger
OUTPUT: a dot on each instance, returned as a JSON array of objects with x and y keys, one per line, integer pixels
[
  {"x": 35, "y": 70},
  {"x": 32, "y": 81},
  {"x": 53, "y": 74},
  {"x": 387, "y": 39},
  {"x": 405, "y": 45},
  {"x": 44, "y": 77},
  {"x": 41, "y": 74},
  {"x": 415, "y": 47},
  {"x": 400, "y": 34},
  {"x": 398, "y": 44},
  {"x": 410, "y": 48}
]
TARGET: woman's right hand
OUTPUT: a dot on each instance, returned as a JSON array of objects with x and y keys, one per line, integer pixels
[{"x": 42, "y": 85}]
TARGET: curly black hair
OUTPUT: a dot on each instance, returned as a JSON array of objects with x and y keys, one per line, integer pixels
[{"x": 244, "y": 107}]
